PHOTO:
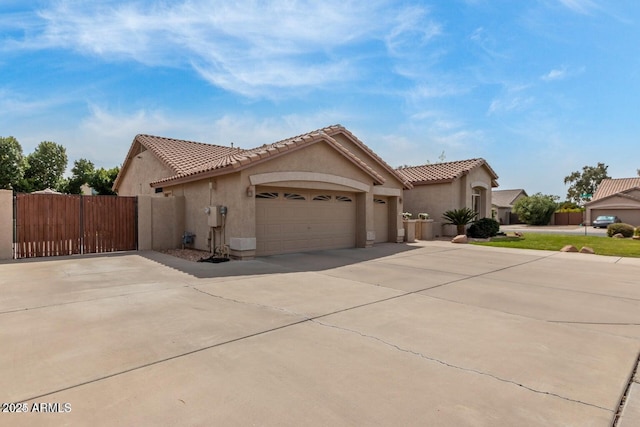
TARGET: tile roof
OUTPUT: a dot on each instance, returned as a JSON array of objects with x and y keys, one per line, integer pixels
[
  {"x": 505, "y": 198},
  {"x": 192, "y": 160},
  {"x": 609, "y": 187},
  {"x": 444, "y": 172}
]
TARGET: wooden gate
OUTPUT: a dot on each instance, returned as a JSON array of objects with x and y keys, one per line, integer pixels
[{"x": 61, "y": 224}]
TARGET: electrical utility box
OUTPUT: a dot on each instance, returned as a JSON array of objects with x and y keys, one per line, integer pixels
[{"x": 215, "y": 218}]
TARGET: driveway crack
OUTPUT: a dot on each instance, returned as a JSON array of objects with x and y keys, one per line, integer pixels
[{"x": 461, "y": 368}]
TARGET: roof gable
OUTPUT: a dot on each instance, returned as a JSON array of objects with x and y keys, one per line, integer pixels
[
  {"x": 445, "y": 172},
  {"x": 191, "y": 161},
  {"x": 609, "y": 187},
  {"x": 506, "y": 198}
]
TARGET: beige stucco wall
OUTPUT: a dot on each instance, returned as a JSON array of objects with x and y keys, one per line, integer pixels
[
  {"x": 436, "y": 199},
  {"x": 6, "y": 224},
  {"x": 317, "y": 166},
  {"x": 160, "y": 222},
  {"x": 143, "y": 169}
]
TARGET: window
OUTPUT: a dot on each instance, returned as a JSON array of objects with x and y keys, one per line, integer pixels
[
  {"x": 343, "y": 199},
  {"x": 158, "y": 190},
  {"x": 379, "y": 201},
  {"x": 322, "y": 198},
  {"x": 476, "y": 202},
  {"x": 267, "y": 196},
  {"x": 294, "y": 196}
]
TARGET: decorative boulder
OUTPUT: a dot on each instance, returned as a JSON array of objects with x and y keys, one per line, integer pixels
[
  {"x": 461, "y": 238},
  {"x": 569, "y": 248},
  {"x": 587, "y": 250},
  {"x": 618, "y": 236}
]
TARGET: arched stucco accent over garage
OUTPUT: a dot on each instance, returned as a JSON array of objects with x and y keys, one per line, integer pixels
[{"x": 274, "y": 177}]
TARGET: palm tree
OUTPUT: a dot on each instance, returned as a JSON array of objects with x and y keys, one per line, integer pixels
[{"x": 460, "y": 218}]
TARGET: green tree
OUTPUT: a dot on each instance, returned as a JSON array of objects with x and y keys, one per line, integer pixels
[
  {"x": 536, "y": 209},
  {"x": 82, "y": 172},
  {"x": 460, "y": 218},
  {"x": 12, "y": 163},
  {"x": 45, "y": 167},
  {"x": 102, "y": 180},
  {"x": 585, "y": 182}
]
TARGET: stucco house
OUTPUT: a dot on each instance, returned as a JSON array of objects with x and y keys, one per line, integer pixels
[
  {"x": 619, "y": 197},
  {"x": 502, "y": 202},
  {"x": 321, "y": 190},
  {"x": 440, "y": 187}
]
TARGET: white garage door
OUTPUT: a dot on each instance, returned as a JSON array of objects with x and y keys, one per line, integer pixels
[
  {"x": 381, "y": 219},
  {"x": 290, "y": 220},
  {"x": 629, "y": 216}
]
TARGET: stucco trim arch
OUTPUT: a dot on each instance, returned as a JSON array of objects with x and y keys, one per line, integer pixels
[
  {"x": 480, "y": 184},
  {"x": 271, "y": 177}
]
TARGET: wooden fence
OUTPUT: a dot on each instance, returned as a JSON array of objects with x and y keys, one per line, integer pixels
[{"x": 60, "y": 224}]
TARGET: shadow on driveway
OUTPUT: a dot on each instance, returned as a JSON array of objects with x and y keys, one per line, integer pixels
[{"x": 287, "y": 263}]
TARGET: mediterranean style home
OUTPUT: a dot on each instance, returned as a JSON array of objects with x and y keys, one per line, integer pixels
[
  {"x": 321, "y": 190},
  {"x": 440, "y": 187},
  {"x": 620, "y": 197},
  {"x": 502, "y": 202}
]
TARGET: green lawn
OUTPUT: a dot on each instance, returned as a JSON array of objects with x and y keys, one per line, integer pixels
[{"x": 554, "y": 242}]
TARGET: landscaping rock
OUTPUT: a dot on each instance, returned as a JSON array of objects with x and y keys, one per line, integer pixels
[
  {"x": 618, "y": 236},
  {"x": 569, "y": 248},
  {"x": 587, "y": 250},
  {"x": 461, "y": 238}
]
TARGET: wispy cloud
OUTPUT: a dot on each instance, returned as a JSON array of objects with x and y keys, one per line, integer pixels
[
  {"x": 580, "y": 6},
  {"x": 250, "y": 47},
  {"x": 561, "y": 73}
]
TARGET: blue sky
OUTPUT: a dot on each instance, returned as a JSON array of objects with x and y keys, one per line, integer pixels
[{"x": 539, "y": 88}]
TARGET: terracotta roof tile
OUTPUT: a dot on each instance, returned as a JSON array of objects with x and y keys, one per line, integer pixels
[
  {"x": 609, "y": 187},
  {"x": 173, "y": 152},
  {"x": 443, "y": 172},
  {"x": 183, "y": 156}
]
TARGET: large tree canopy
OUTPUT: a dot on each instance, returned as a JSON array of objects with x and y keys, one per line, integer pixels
[
  {"x": 46, "y": 165},
  {"x": 12, "y": 163},
  {"x": 584, "y": 184}
]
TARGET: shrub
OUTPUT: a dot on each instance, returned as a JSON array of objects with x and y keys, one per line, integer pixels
[
  {"x": 625, "y": 229},
  {"x": 636, "y": 232},
  {"x": 535, "y": 210},
  {"x": 483, "y": 228}
]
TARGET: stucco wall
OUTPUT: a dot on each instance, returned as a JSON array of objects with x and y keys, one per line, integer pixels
[
  {"x": 434, "y": 199},
  {"x": 143, "y": 169},
  {"x": 6, "y": 224},
  {"x": 160, "y": 222}
]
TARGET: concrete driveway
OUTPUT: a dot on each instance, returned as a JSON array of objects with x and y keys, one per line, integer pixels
[{"x": 425, "y": 334}]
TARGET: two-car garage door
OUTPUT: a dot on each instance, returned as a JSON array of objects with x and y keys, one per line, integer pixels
[{"x": 295, "y": 220}]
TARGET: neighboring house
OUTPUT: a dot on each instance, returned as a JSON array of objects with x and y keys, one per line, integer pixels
[
  {"x": 619, "y": 197},
  {"x": 502, "y": 202},
  {"x": 440, "y": 187},
  {"x": 322, "y": 190}
]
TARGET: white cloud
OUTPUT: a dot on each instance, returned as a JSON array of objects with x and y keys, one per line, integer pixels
[
  {"x": 245, "y": 46},
  {"x": 580, "y": 6},
  {"x": 561, "y": 73}
]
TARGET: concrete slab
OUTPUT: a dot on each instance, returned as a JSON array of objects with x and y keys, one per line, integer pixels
[
  {"x": 313, "y": 375},
  {"x": 508, "y": 348},
  {"x": 540, "y": 302},
  {"x": 31, "y": 284},
  {"x": 62, "y": 346},
  {"x": 150, "y": 339},
  {"x": 305, "y": 294},
  {"x": 631, "y": 411}
]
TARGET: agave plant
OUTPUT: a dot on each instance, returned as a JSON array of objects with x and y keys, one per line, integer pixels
[{"x": 460, "y": 218}]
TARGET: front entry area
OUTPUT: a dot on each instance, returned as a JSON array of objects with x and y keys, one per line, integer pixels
[{"x": 297, "y": 220}]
